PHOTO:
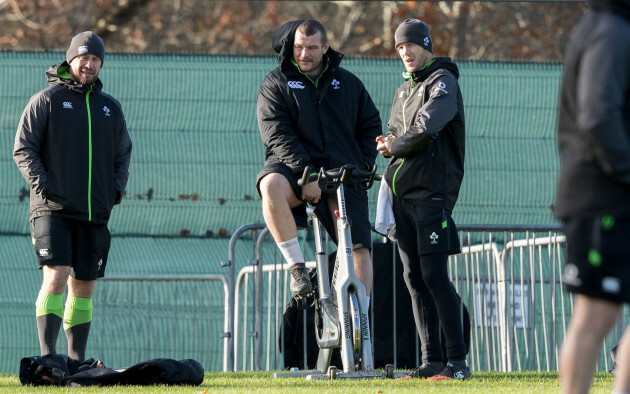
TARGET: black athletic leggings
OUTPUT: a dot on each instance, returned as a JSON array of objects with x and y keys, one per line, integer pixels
[{"x": 433, "y": 297}]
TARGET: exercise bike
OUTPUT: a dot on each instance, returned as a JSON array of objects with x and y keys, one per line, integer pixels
[{"x": 341, "y": 310}]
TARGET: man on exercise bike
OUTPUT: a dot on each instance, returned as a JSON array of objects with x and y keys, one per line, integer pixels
[{"x": 311, "y": 112}]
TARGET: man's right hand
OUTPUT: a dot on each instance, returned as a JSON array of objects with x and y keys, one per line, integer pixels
[
  {"x": 311, "y": 193},
  {"x": 384, "y": 145}
]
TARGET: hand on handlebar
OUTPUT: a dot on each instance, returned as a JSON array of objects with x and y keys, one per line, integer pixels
[
  {"x": 329, "y": 181},
  {"x": 311, "y": 193}
]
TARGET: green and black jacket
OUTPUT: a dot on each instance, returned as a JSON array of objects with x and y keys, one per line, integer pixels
[
  {"x": 427, "y": 117},
  {"x": 73, "y": 149}
]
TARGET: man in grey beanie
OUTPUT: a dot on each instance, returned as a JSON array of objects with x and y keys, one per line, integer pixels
[
  {"x": 89, "y": 49},
  {"x": 73, "y": 149},
  {"x": 426, "y": 145},
  {"x": 86, "y": 43},
  {"x": 414, "y": 31}
]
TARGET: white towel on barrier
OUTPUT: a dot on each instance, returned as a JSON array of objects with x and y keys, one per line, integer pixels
[{"x": 385, "y": 223}]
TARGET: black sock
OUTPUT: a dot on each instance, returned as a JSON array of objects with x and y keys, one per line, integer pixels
[
  {"x": 77, "y": 337},
  {"x": 48, "y": 329}
]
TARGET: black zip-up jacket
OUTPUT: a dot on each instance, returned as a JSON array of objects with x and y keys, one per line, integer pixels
[
  {"x": 427, "y": 118},
  {"x": 73, "y": 149},
  {"x": 594, "y": 115},
  {"x": 327, "y": 123}
]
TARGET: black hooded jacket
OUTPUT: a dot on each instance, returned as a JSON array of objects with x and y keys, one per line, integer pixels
[
  {"x": 594, "y": 115},
  {"x": 73, "y": 149},
  {"x": 324, "y": 123},
  {"x": 427, "y": 118}
]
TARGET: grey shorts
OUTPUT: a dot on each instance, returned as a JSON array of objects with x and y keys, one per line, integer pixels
[
  {"x": 84, "y": 246},
  {"x": 356, "y": 208},
  {"x": 598, "y": 257}
]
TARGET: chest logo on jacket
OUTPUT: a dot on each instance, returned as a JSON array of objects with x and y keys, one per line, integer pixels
[
  {"x": 106, "y": 110},
  {"x": 296, "y": 85},
  {"x": 335, "y": 84},
  {"x": 67, "y": 105}
]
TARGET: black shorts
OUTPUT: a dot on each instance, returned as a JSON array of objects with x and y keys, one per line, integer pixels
[
  {"x": 430, "y": 229},
  {"x": 598, "y": 257},
  {"x": 357, "y": 208},
  {"x": 84, "y": 246}
]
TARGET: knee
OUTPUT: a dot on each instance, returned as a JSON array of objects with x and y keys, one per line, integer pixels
[
  {"x": 273, "y": 187},
  {"x": 436, "y": 282},
  {"x": 81, "y": 288},
  {"x": 435, "y": 272},
  {"x": 266, "y": 185},
  {"x": 414, "y": 282},
  {"x": 55, "y": 279}
]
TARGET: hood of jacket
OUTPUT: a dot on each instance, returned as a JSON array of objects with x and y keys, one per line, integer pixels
[
  {"x": 282, "y": 43},
  {"x": 620, "y": 7},
  {"x": 437, "y": 63},
  {"x": 59, "y": 74}
]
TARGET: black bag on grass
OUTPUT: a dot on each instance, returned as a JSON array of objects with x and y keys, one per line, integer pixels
[{"x": 62, "y": 370}]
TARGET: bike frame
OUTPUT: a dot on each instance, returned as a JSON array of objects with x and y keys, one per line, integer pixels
[
  {"x": 344, "y": 284},
  {"x": 344, "y": 297}
]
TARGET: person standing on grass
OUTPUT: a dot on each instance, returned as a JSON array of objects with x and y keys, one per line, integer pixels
[
  {"x": 426, "y": 143},
  {"x": 313, "y": 113},
  {"x": 73, "y": 149},
  {"x": 593, "y": 196}
]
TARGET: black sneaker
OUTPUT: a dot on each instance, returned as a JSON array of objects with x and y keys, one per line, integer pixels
[
  {"x": 300, "y": 282},
  {"x": 451, "y": 372},
  {"x": 424, "y": 371}
]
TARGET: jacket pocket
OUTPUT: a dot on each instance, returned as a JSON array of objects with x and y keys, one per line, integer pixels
[{"x": 420, "y": 176}]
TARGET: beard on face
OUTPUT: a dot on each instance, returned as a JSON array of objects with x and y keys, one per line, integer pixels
[{"x": 83, "y": 79}]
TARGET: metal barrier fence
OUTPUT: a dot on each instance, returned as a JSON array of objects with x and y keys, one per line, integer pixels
[
  {"x": 174, "y": 316},
  {"x": 509, "y": 277}
]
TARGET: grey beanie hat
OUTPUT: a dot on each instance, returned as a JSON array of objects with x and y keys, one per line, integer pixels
[
  {"x": 86, "y": 42},
  {"x": 414, "y": 31}
]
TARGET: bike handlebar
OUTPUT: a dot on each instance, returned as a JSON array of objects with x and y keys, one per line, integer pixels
[{"x": 347, "y": 175}]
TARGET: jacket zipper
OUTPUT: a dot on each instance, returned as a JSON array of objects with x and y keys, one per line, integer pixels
[
  {"x": 89, "y": 116},
  {"x": 405, "y": 130}
]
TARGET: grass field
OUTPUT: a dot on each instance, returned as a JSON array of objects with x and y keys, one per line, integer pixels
[{"x": 220, "y": 382}]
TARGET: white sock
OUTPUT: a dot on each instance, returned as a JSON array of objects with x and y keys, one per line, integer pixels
[
  {"x": 367, "y": 302},
  {"x": 291, "y": 251}
]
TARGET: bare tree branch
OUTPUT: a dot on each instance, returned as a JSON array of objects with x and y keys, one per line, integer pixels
[
  {"x": 354, "y": 15},
  {"x": 491, "y": 31},
  {"x": 17, "y": 16}
]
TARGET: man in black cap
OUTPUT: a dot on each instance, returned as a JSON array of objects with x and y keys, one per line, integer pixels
[
  {"x": 73, "y": 149},
  {"x": 593, "y": 197},
  {"x": 426, "y": 146},
  {"x": 313, "y": 113}
]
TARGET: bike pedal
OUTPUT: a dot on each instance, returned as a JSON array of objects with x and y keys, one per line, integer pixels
[{"x": 301, "y": 302}]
